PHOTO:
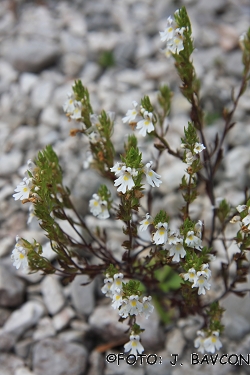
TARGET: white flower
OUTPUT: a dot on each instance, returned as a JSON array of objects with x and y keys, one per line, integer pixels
[
  {"x": 173, "y": 238},
  {"x": 235, "y": 219},
  {"x": 31, "y": 166},
  {"x": 166, "y": 52},
  {"x": 145, "y": 223},
  {"x": 146, "y": 125},
  {"x": 152, "y": 177},
  {"x": 98, "y": 207},
  {"x": 69, "y": 105},
  {"x": 94, "y": 137},
  {"x": 31, "y": 214},
  {"x": 117, "y": 283},
  {"x": 117, "y": 299},
  {"x": 190, "y": 275},
  {"x": 88, "y": 160},
  {"x": 175, "y": 45},
  {"x": 212, "y": 342},
  {"x": 199, "y": 341},
  {"x": 19, "y": 255},
  {"x": 169, "y": 31},
  {"x": 134, "y": 345},
  {"x": 206, "y": 270},
  {"x": 246, "y": 220},
  {"x": 193, "y": 241},
  {"x": 125, "y": 180},
  {"x": 198, "y": 228},
  {"x": 242, "y": 40},
  {"x": 198, "y": 147},
  {"x": 106, "y": 287},
  {"x": 23, "y": 189},
  {"x": 135, "y": 306},
  {"x": 147, "y": 307},
  {"x": 117, "y": 169},
  {"x": 161, "y": 235},
  {"x": 189, "y": 158},
  {"x": 201, "y": 282},
  {"x": 241, "y": 207},
  {"x": 132, "y": 307},
  {"x": 178, "y": 251},
  {"x": 132, "y": 115},
  {"x": 76, "y": 114}
]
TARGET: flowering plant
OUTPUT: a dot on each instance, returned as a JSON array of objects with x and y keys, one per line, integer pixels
[{"x": 153, "y": 246}]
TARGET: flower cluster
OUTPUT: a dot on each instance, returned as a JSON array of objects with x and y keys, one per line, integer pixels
[
  {"x": 173, "y": 241},
  {"x": 23, "y": 189},
  {"x": 243, "y": 218},
  {"x": 200, "y": 279},
  {"x": 126, "y": 304},
  {"x": 98, "y": 207},
  {"x": 208, "y": 343},
  {"x": 19, "y": 255},
  {"x": 141, "y": 118},
  {"x": 190, "y": 155},
  {"x": 125, "y": 176},
  {"x": 173, "y": 36}
]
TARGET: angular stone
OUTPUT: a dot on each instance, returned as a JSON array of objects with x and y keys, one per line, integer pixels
[
  {"x": 175, "y": 342},
  {"x": 62, "y": 319},
  {"x": 153, "y": 336},
  {"x": 50, "y": 116},
  {"x": 9, "y": 363},
  {"x": 9, "y": 163},
  {"x": 12, "y": 289},
  {"x": 33, "y": 55},
  {"x": 41, "y": 94},
  {"x": 23, "y": 347},
  {"x": 24, "y": 318},
  {"x": 23, "y": 371},
  {"x": 83, "y": 295},
  {"x": 52, "y": 294},
  {"x": 7, "y": 341},
  {"x": 104, "y": 322},
  {"x": 57, "y": 357},
  {"x": 45, "y": 328}
]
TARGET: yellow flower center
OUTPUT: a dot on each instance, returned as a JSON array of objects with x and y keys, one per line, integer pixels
[{"x": 21, "y": 256}]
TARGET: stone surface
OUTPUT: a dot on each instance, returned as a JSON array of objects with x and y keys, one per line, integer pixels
[
  {"x": 24, "y": 318},
  {"x": 45, "y": 46},
  {"x": 9, "y": 163},
  {"x": 82, "y": 295},
  {"x": 59, "y": 358},
  {"x": 33, "y": 56},
  {"x": 9, "y": 363},
  {"x": 104, "y": 322},
  {"x": 175, "y": 342},
  {"x": 52, "y": 294},
  {"x": 12, "y": 289}
]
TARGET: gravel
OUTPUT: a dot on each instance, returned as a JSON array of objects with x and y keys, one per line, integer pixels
[{"x": 45, "y": 326}]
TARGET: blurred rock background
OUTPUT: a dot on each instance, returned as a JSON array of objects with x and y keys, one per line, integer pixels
[{"x": 113, "y": 46}]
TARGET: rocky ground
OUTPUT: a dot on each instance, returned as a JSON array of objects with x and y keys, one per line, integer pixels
[{"x": 48, "y": 328}]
